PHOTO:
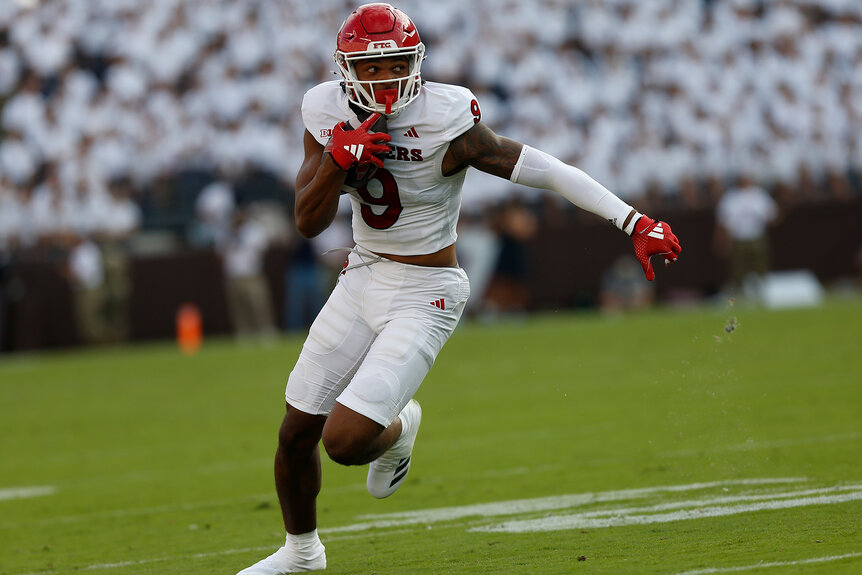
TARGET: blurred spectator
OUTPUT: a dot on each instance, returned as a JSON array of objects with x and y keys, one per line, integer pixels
[
  {"x": 478, "y": 252},
  {"x": 305, "y": 286},
  {"x": 87, "y": 276},
  {"x": 248, "y": 293},
  {"x": 515, "y": 225},
  {"x": 624, "y": 287},
  {"x": 314, "y": 268},
  {"x": 743, "y": 216},
  {"x": 214, "y": 210},
  {"x": 122, "y": 221}
]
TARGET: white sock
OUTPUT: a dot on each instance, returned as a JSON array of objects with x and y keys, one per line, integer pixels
[{"x": 305, "y": 545}]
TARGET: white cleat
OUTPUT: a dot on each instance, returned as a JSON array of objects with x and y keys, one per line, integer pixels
[
  {"x": 283, "y": 561},
  {"x": 387, "y": 472}
]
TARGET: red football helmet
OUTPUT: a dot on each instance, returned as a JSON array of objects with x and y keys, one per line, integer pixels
[{"x": 377, "y": 31}]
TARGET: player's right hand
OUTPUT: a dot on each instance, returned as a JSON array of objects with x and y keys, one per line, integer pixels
[{"x": 350, "y": 148}]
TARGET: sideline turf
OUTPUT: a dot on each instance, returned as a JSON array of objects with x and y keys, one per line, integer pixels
[{"x": 162, "y": 463}]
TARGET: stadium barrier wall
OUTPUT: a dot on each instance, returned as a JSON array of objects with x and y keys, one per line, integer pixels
[{"x": 567, "y": 259}]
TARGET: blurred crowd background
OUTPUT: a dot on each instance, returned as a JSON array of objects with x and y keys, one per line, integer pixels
[{"x": 134, "y": 129}]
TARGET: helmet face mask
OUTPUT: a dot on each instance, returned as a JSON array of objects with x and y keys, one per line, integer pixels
[{"x": 379, "y": 31}]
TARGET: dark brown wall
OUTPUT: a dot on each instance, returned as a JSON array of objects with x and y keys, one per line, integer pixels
[{"x": 568, "y": 257}]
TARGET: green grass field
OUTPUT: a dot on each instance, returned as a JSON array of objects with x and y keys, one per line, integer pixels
[{"x": 650, "y": 443}]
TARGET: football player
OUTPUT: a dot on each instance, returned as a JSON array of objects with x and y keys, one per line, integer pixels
[{"x": 400, "y": 147}]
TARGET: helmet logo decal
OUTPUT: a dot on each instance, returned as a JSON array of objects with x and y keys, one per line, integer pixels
[{"x": 384, "y": 45}]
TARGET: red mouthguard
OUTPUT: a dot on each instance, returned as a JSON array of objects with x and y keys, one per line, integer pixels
[{"x": 386, "y": 97}]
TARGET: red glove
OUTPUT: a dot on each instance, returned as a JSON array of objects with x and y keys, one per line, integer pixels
[
  {"x": 350, "y": 148},
  {"x": 652, "y": 238}
]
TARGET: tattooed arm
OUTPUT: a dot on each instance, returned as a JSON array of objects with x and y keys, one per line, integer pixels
[{"x": 484, "y": 150}]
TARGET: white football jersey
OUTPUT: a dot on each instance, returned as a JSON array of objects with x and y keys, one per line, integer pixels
[{"x": 408, "y": 207}]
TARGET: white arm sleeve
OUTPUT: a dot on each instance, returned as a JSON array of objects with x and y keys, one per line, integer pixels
[{"x": 540, "y": 170}]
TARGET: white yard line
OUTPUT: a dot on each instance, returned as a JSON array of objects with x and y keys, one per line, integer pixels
[
  {"x": 692, "y": 508},
  {"x": 553, "y": 503},
  {"x": 25, "y": 492},
  {"x": 707, "y": 570},
  {"x": 413, "y": 517},
  {"x": 595, "y": 521},
  {"x": 712, "y": 501}
]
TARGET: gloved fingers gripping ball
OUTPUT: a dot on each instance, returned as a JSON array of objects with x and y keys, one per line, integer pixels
[
  {"x": 652, "y": 238},
  {"x": 360, "y": 174},
  {"x": 350, "y": 148}
]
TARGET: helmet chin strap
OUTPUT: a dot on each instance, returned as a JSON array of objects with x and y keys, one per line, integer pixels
[{"x": 386, "y": 97}]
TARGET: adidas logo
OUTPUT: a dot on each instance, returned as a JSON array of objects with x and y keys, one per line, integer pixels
[
  {"x": 412, "y": 133},
  {"x": 440, "y": 303},
  {"x": 400, "y": 471},
  {"x": 657, "y": 232},
  {"x": 355, "y": 150}
]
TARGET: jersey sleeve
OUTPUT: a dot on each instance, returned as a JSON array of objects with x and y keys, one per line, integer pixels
[
  {"x": 463, "y": 112},
  {"x": 316, "y": 112}
]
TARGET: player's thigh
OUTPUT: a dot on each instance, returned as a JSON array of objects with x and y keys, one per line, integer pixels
[
  {"x": 337, "y": 343},
  {"x": 397, "y": 363}
]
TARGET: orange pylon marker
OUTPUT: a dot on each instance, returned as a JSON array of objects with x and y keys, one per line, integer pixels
[{"x": 189, "y": 328}]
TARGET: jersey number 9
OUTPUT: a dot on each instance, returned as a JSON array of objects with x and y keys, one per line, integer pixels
[{"x": 388, "y": 198}]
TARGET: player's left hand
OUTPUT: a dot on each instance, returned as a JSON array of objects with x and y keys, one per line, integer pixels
[{"x": 652, "y": 238}]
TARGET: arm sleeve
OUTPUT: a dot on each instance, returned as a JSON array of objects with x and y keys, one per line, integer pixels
[{"x": 540, "y": 170}]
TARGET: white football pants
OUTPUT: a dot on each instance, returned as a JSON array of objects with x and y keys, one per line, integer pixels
[{"x": 377, "y": 337}]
